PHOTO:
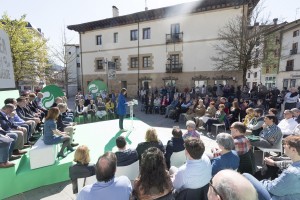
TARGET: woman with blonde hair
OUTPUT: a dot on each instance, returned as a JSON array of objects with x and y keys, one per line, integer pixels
[
  {"x": 249, "y": 116},
  {"x": 82, "y": 155},
  {"x": 151, "y": 140}
]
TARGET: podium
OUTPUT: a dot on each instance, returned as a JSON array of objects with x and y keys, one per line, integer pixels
[{"x": 131, "y": 104}]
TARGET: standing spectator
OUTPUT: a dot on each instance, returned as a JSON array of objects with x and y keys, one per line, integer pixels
[
  {"x": 125, "y": 156},
  {"x": 107, "y": 186},
  {"x": 154, "y": 180},
  {"x": 291, "y": 99},
  {"x": 121, "y": 108}
]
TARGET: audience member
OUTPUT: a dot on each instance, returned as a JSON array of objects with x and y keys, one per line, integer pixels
[
  {"x": 125, "y": 156},
  {"x": 228, "y": 158},
  {"x": 291, "y": 98},
  {"x": 107, "y": 186},
  {"x": 287, "y": 185},
  {"x": 154, "y": 180},
  {"x": 151, "y": 141},
  {"x": 7, "y": 145},
  {"x": 249, "y": 116},
  {"x": 174, "y": 145},
  {"x": 241, "y": 143},
  {"x": 256, "y": 124},
  {"x": 296, "y": 114},
  {"x": 82, "y": 110},
  {"x": 191, "y": 130},
  {"x": 230, "y": 185},
  {"x": 288, "y": 123},
  {"x": 101, "y": 110},
  {"x": 54, "y": 136},
  {"x": 270, "y": 135},
  {"x": 219, "y": 118},
  {"x": 196, "y": 172}
]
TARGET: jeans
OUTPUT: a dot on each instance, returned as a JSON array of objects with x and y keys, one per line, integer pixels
[
  {"x": 210, "y": 122},
  {"x": 262, "y": 192},
  {"x": 121, "y": 119}
]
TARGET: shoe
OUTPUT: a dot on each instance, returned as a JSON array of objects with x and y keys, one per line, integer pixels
[
  {"x": 61, "y": 155},
  {"x": 7, "y": 165},
  {"x": 14, "y": 157},
  {"x": 71, "y": 149},
  {"x": 123, "y": 130},
  {"x": 29, "y": 143},
  {"x": 201, "y": 128},
  {"x": 19, "y": 152},
  {"x": 26, "y": 146},
  {"x": 209, "y": 134},
  {"x": 74, "y": 144}
]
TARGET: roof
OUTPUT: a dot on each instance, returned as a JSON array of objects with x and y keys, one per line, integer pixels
[{"x": 160, "y": 13}]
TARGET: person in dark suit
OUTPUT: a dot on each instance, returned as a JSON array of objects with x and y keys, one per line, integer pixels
[
  {"x": 125, "y": 156},
  {"x": 174, "y": 145}
]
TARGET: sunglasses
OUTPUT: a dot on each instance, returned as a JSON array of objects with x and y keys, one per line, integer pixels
[{"x": 215, "y": 190}]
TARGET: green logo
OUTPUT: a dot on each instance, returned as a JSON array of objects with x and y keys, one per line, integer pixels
[
  {"x": 96, "y": 87},
  {"x": 50, "y": 92}
]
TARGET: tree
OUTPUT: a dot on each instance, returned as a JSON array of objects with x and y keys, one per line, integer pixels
[
  {"x": 61, "y": 53},
  {"x": 28, "y": 47},
  {"x": 241, "y": 43}
]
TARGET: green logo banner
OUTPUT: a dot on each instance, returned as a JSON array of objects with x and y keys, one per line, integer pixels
[
  {"x": 50, "y": 92},
  {"x": 96, "y": 87}
]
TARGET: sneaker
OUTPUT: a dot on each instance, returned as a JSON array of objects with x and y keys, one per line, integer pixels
[
  {"x": 202, "y": 128},
  {"x": 209, "y": 134},
  {"x": 123, "y": 130}
]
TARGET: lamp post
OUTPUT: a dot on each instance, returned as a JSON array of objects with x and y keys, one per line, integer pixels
[{"x": 171, "y": 70}]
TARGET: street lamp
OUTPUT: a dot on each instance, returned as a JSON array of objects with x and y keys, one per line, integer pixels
[{"x": 171, "y": 70}]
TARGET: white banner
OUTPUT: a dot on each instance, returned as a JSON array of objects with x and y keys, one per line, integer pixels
[{"x": 7, "y": 79}]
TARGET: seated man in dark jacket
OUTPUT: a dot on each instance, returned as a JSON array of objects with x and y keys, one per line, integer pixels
[{"x": 125, "y": 156}]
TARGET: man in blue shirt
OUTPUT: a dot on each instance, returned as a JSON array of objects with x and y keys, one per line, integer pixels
[
  {"x": 287, "y": 185},
  {"x": 108, "y": 186}
]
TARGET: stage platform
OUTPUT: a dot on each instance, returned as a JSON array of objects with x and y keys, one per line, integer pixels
[{"x": 99, "y": 137}]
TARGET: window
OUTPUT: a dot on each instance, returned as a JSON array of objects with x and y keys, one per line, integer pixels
[
  {"x": 146, "y": 33},
  {"x": 116, "y": 60},
  {"x": 115, "y": 37},
  {"x": 277, "y": 40},
  {"x": 70, "y": 53},
  {"x": 78, "y": 65},
  {"x": 99, "y": 64},
  {"x": 294, "y": 48},
  {"x": 146, "y": 61},
  {"x": 285, "y": 83},
  {"x": 248, "y": 75},
  {"x": 267, "y": 69},
  {"x": 134, "y": 63},
  {"x": 134, "y": 34},
  {"x": 255, "y": 74},
  {"x": 293, "y": 83},
  {"x": 99, "y": 40},
  {"x": 296, "y": 33},
  {"x": 175, "y": 59},
  {"x": 289, "y": 65},
  {"x": 175, "y": 28}
]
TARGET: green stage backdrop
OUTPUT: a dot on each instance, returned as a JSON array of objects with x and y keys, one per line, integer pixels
[
  {"x": 50, "y": 92},
  {"x": 96, "y": 87}
]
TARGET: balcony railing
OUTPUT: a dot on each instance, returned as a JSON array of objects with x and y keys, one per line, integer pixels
[
  {"x": 174, "y": 37},
  {"x": 289, "y": 68},
  {"x": 293, "y": 51},
  {"x": 174, "y": 68}
]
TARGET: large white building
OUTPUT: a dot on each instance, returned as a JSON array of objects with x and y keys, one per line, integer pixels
[
  {"x": 166, "y": 46},
  {"x": 289, "y": 65}
]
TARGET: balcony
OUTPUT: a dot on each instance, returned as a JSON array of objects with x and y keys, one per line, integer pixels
[
  {"x": 289, "y": 68},
  {"x": 176, "y": 68},
  {"x": 174, "y": 37},
  {"x": 293, "y": 51}
]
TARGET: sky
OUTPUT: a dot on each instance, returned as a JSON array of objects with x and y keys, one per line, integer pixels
[{"x": 52, "y": 16}]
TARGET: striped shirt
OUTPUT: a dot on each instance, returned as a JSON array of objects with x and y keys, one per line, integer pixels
[{"x": 272, "y": 134}]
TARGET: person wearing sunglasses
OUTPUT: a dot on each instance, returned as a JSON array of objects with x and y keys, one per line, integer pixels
[{"x": 230, "y": 185}]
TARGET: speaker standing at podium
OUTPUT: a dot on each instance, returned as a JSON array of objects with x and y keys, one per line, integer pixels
[{"x": 121, "y": 108}]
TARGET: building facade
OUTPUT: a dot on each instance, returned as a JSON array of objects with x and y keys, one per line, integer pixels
[
  {"x": 289, "y": 65},
  {"x": 169, "y": 46}
]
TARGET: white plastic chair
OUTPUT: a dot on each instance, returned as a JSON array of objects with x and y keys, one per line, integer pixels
[
  {"x": 131, "y": 171},
  {"x": 178, "y": 158},
  {"x": 275, "y": 148}
]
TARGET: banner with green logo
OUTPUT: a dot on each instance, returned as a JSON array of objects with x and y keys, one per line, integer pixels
[
  {"x": 96, "y": 87},
  {"x": 50, "y": 92}
]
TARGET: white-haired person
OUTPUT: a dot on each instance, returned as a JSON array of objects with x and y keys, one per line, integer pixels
[{"x": 191, "y": 130}]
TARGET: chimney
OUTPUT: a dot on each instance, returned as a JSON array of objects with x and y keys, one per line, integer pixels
[
  {"x": 39, "y": 30},
  {"x": 275, "y": 20},
  {"x": 115, "y": 11}
]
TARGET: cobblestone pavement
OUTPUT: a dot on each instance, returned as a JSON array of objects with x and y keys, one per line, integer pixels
[{"x": 63, "y": 190}]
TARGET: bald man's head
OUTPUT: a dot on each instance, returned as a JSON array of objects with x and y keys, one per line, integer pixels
[
  {"x": 106, "y": 167},
  {"x": 230, "y": 185}
]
